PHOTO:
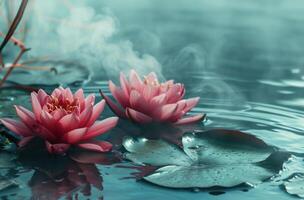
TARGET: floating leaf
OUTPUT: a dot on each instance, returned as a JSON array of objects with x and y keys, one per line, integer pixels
[
  {"x": 50, "y": 73},
  {"x": 144, "y": 151},
  {"x": 295, "y": 185},
  {"x": 212, "y": 158}
]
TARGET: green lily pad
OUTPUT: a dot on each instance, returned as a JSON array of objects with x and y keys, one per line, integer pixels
[
  {"x": 50, "y": 73},
  {"x": 295, "y": 185},
  {"x": 144, "y": 151},
  {"x": 211, "y": 158}
]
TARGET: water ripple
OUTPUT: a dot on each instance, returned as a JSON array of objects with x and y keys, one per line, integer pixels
[{"x": 279, "y": 126}]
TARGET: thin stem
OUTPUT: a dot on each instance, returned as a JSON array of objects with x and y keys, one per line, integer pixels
[
  {"x": 33, "y": 68},
  {"x": 23, "y": 49},
  {"x": 9, "y": 71},
  {"x": 14, "y": 40},
  {"x": 1, "y": 62},
  {"x": 14, "y": 24}
]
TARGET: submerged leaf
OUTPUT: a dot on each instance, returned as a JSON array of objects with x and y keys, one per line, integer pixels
[
  {"x": 50, "y": 73},
  {"x": 6, "y": 183},
  {"x": 211, "y": 158},
  {"x": 295, "y": 186}
]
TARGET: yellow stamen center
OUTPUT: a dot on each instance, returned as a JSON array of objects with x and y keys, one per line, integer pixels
[{"x": 55, "y": 103}]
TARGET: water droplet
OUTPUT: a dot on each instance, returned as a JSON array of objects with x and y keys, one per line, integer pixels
[
  {"x": 196, "y": 190},
  {"x": 59, "y": 180}
]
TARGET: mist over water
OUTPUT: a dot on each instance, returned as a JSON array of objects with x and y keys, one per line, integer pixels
[
  {"x": 84, "y": 33},
  {"x": 218, "y": 40},
  {"x": 232, "y": 46}
]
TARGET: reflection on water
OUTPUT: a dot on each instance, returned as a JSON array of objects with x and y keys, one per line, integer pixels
[
  {"x": 75, "y": 176},
  {"x": 69, "y": 181}
]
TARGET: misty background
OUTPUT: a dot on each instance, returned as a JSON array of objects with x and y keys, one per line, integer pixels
[{"x": 230, "y": 50}]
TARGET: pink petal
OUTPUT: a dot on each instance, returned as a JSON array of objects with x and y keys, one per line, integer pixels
[
  {"x": 138, "y": 102},
  {"x": 69, "y": 122},
  {"x": 85, "y": 116},
  {"x": 44, "y": 133},
  {"x": 68, "y": 94},
  {"x": 191, "y": 119},
  {"x": 135, "y": 98},
  {"x": 36, "y": 105},
  {"x": 100, "y": 146},
  {"x": 26, "y": 116},
  {"x": 75, "y": 135},
  {"x": 79, "y": 94},
  {"x": 97, "y": 110},
  {"x": 183, "y": 91},
  {"x": 151, "y": 77},
  {"x": 191, "y": 103},
  {"x": 169, "y": 82},
  {"x": 149, "y": 92},
  {"x": 124, "y": 85},
  {"x": 24, "y": 141},
  {"x": 135, "y": 81},
  {"x": 118, "y": 94},
  {"x": 165, "y": 112},
  {"x": 137, "y": 116},
  {"x": 159, "y": 100},
  {"x": 57, "y": 92},
  {"x": 90, "y": 100},
  {"x": 179, "y": 112},
  {"x": 166, "y": 86},
  {"x": 100, "y": 127},
  {"x": 175, "y": 93},
  {"x": 42, "y": 96},
  {"x": 49, "y": 122},
  {"x": 16, "y": 127},
  {"x": 58, "y": 114},
  {"x": 57, "y": 148},
  {"x": 113, "y": 106}
]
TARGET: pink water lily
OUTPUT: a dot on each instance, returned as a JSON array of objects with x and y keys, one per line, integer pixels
[
  {"x": 62, "y": 119},
  {"x": 145, "y": 101}
]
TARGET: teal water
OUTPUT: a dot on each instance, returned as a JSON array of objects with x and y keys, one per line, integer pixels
[{"x": 243, "y": 58}]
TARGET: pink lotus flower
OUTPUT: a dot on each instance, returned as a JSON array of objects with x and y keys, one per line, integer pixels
[
  {"x": 150, "y": 101},
  {"x": 62, "y": 119}
]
